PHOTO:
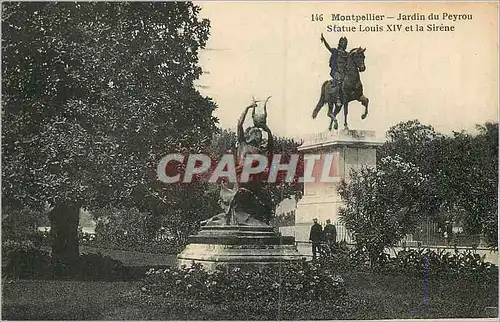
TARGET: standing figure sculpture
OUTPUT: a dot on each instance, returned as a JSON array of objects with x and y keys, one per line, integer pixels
[
  {"x": 346, "y": 84},
  {"x": 246, "y": 203}
]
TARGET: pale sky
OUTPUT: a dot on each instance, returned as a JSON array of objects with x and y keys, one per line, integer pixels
[{"x": 446, "y": 79}]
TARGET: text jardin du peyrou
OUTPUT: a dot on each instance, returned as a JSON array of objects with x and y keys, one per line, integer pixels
[{"x": 401, "y": 22}]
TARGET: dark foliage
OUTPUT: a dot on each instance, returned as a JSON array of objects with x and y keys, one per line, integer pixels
[
  {"x": 461, "y": 172},
  {"x": 417, "y": 263},
  {"x": 93, "y": 96},
  {"x": 426, "y": 263},
  {"x": 24, "y": 260}
]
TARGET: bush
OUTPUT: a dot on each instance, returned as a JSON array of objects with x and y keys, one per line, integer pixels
[
  {"x": 132, "y": 230},
  {"x": 26, "y": 260},
  {"x": 416, "y": 263},
  {"x": 427, "y": 263},
  {"x": 343, "y": 258},
  {"x": 265, "y": 287},
  {"x": 22, "y": 259}
]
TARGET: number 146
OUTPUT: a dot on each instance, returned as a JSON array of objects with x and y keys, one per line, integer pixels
[{"x": 317, "y": 17}]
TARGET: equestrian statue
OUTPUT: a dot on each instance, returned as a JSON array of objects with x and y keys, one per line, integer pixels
[{"x": 345, "y": 85}]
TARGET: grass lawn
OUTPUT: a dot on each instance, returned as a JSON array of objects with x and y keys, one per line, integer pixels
[
  {"x": 370, "y": 297},
  {"x": 128, "y": 257},
  {"x": 62, "y": 300},
  {"x": 391, "y": 297}
]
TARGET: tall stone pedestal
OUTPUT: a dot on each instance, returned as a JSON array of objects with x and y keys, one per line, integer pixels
[
  {"x": 237, "y": 246},
  {"x": 351, "y": 150}
]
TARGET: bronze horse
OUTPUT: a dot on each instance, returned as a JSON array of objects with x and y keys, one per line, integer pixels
[{"x": 351, "y": 89}]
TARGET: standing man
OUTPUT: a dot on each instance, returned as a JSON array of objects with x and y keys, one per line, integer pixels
[
  {"x": 315, "y": 236},
  {"x": 330, "y": 233},
  {"x": 338, "y": 62}
]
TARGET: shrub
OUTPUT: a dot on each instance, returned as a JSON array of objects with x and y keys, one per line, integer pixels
[
  {"x": 342, "y": 258},
  {"x": 22, "y": 259},
  {"x": 26, "y": 260},
  {"x": 41, "y": 238},
  {"x": 422, "y": 263},
  {"x": 416, "y": 263},
  {"x": 427, "y": 263},
  {"x": 268, "y": 286}
]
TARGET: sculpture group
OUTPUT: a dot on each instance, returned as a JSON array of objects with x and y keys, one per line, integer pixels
[
  {"x": 345, "y": 85},
  {"x": 241, "y": 234},
  {"x": 246, "y": 204}
]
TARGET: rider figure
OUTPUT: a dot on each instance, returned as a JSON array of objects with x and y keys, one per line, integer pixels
[{"x": 338, "y": 61}]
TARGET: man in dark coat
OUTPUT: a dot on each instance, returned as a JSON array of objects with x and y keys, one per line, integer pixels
[
  {"x": 330, "y": 233},
  {"x": 315, "y": 236}
]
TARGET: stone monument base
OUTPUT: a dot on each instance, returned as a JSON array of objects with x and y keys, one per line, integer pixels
[
  {"x": 350, "y": 150},
  {"x": 238, "y": 246}
]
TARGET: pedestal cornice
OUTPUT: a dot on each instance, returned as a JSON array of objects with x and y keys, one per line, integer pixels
[{"x": 340, "y": 138}]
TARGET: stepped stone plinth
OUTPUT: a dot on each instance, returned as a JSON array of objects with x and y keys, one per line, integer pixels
[{"x": 238, "y": 246}]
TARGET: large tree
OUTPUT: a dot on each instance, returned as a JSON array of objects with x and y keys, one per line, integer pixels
[{"x": 94, "y": 94}]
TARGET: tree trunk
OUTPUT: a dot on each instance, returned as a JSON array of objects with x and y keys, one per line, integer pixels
[{"x": 64, "y": 219}]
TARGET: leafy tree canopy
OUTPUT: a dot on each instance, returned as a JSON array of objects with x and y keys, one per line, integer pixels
[
  {"x": 94, "y": 94},
  {"x": 422, "y": 174}
]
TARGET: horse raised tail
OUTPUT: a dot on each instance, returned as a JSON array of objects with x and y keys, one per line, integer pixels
[{"x": 321, "y": 101}]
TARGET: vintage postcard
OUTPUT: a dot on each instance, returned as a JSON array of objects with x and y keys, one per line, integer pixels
[{"x": 232, "y": 160}]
